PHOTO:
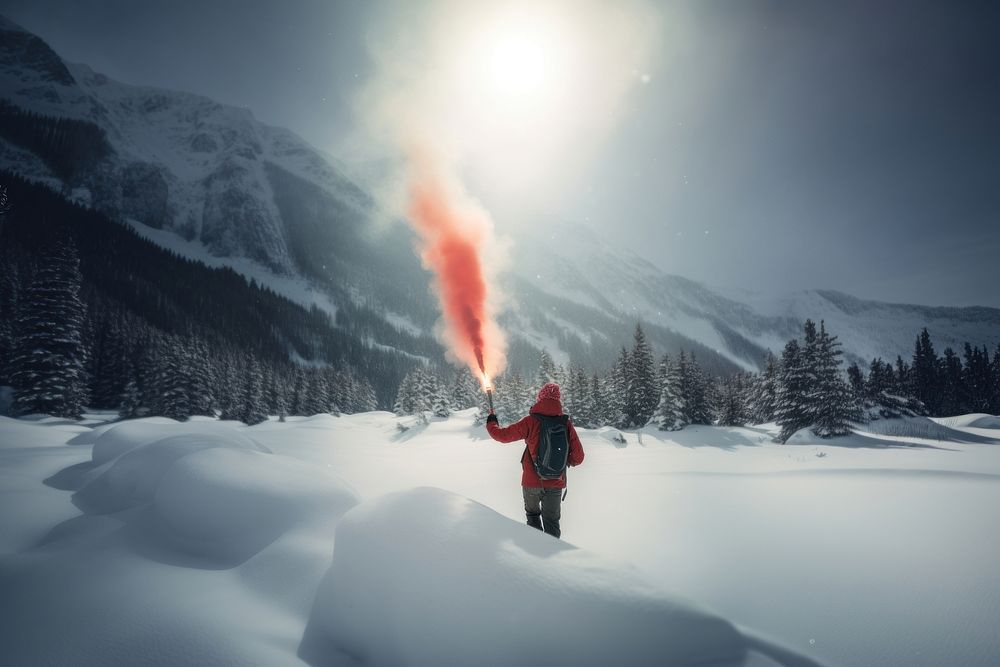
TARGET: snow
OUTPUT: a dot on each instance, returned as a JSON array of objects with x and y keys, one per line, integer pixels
[{"x": 341, "y": 541}]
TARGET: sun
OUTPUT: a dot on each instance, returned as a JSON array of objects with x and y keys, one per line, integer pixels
[{"x": 520, "y": 63}]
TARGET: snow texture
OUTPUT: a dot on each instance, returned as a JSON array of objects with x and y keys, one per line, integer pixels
[{"x": 341, "y": 541}]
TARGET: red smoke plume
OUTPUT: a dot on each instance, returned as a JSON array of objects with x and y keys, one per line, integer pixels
[{"x": 454, "y": 232}]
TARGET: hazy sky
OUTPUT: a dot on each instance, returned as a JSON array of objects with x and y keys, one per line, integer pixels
[{"x": 773, "y": 145}]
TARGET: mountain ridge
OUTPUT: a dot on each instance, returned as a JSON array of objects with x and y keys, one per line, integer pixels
[{"x": 213, "y": 175}]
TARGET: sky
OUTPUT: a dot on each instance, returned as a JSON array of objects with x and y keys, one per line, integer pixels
[{"x": 848, "y": 145}]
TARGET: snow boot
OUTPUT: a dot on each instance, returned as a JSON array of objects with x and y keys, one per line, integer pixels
[{"x": 534, "y": 520}]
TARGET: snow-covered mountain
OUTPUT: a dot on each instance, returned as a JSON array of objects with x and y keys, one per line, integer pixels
[{"x": 208, "y": 180}]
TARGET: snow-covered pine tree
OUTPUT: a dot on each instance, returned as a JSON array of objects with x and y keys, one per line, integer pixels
[
  {"x": 670, "y": 413},
  {"x": 317, "y": 397},
  {"x": 175, "y": 402},
  {"x": 950, "y": 375},
  {"x": 576, "y": 398},
  {"x": 599, "y": 402},
  {"x": 465, "y": 391},
  {"x": 251, "y": 410},
  {"x": 365, "y": 392},
  {"x": 440, "y": 400},
  {"x": 47, "y": 362},
  {"x": 338, "y": 390},
  {"x": 763, "y": 392},
  {"x": 641, "y": 394},
  {"x": 616, "y": 390},
  {"x": 791, "y": 411},
  {"x": 995, "y": 391},
  {"x": 406, "y": 394},
  {"x": 731, "y": 406},
  {"x": 698, "y": 405},
  {"x": 10, "y": 290},
  {"x": 546, "y": 370},
  {"x": 833, "y": 406},
  {"x": 977, "y": 379},
  {"x": 924, "y": 373},
  {"x": 902, "y": 382}
]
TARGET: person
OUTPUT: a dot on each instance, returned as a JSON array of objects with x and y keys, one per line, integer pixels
[{"x": 542, "y": 498}]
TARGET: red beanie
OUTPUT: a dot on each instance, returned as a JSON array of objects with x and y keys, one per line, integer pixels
[{"x": 549, "y": 391}]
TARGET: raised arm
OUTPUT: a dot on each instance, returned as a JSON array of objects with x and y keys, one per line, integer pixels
[{"x": 516, "y": 431}]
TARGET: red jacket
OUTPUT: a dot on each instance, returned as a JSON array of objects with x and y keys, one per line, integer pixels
[{"x": 527, "y": 430}]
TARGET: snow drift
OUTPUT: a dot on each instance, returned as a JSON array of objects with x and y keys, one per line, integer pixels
[{"x": 545, "y": 600}]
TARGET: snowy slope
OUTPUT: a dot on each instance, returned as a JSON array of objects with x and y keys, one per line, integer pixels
[
  {"x": 341, "y": 541},
  {"x": 588, "y": 269}
]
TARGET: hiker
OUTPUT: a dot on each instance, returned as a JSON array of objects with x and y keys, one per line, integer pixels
[{"x": 542, "y": 497}]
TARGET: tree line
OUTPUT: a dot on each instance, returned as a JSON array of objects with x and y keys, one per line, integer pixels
[
  {"x": 92, "y": 314},
  {"x": 805, "y": 387}
]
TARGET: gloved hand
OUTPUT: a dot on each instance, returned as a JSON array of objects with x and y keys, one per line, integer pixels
[{"x": 492, "y": 418}]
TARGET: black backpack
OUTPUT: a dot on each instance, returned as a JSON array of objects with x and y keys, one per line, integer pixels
[{"x": 553, "y": 446}]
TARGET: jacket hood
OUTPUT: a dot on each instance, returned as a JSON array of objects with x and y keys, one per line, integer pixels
[{"x": 549, "y": 407}]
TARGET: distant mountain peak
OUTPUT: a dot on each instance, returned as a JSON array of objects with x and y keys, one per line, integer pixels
[{"x": 23, "y": 51}]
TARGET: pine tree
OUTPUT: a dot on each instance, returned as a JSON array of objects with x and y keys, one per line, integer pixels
[
  {"x": 10, "y": 290},
  {"x": 950, "y": 375},
  {"x": 251, "y": 410},
  {"x": 698, "y": 407},
  {"x": 47, "y": 363},
  {"x": 175, "y": 400},
  {"x": 641, "y": 395},
  {"x": 599, "y": 402},
  {"x": 465, "y": 389},
  {"x": 440, "y": 401},
  {"x": 763, "y": 392},
  {"x": 546, "y": 370},
  {"x": 924, "y": 373},
  {"x": 791, "y": 411},
  {"x": 670, "y": 413},
  {"x": 731, "y": 409},
  {"x": 833, "y": 407},
  {"x": 616, "y": 391}
]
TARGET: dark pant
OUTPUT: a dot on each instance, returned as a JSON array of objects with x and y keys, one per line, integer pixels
[{"x": 543, "y": 505}]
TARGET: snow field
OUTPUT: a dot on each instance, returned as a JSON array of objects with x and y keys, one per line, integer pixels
[{"x": 342, "y": 541}]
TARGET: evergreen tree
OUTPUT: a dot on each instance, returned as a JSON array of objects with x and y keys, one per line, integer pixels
[
  {"x": 599, "y": 402},
  {"x": 902, "y": 383},
  {"x": 251, "y": 410},
  {"x": 465, "y": 389},
  {"x": 641, "y": 395},
  {"x": 924, "y": 373},
  {"x": 880, "y": 379},
  {"x": 950, "y": 376},
  {"x": 47, "y": 363},
  {"x": 731, "y": 408},
  {"x": 695, "y": 390},
  {"x": 977, "y": 379},
  {"x": 833, "y": 408},
  {"x": 763, "y": 392},
  {"x": 10, "y": 289},
  {"x": 174, "y": 382},
  {"x": 440, "y": 400},
  {"x": 791, "y": 410},
  {"x": 546, "y": 370},
  {"x": 670, "y": 413},
  {"x": 616, "y": 391}
]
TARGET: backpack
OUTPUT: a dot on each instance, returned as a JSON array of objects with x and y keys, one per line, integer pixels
[{"x": 553, "y": 446}]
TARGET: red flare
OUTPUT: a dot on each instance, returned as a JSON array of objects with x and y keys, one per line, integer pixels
[{"x": 453, "y": 233}]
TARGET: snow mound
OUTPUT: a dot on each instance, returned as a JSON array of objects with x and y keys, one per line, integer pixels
[
  {"x": 975, "y": 420},
  {"x": 113, "y": 440},
  {"x": 612, "y": 435},
  {"x": 131, "y": 479},
  {"x": 473, "y": 587},
  {"x": 227, "y": 504}
]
